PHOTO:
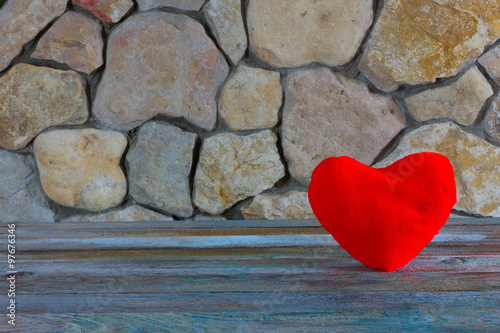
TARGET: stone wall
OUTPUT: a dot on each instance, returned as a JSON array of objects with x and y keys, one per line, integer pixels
[{"x": 116, "y": 110}]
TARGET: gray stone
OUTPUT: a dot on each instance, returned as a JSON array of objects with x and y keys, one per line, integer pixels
[
  {"x": 462, "y": 100},
  {"x": 21, "y": 195},
  {"x": 180, "y": 4},
  {"x": 205, "y": 217},
  {"x": 130, "y": 214},
  {"x": 233, "y": 168},
  {"x": 491, "y": 62},
  {"x": 159, "y": 167},
  {"x": 21, "y": 21},
  {"x": 159, "y": 63},
  {"x": 110, "y": 11},
  {"x": 493, "y": 119},
  {"x": 293, "y": 205},
  {"x": 327, "y": 114}
]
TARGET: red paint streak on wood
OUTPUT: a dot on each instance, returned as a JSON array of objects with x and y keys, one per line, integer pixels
[{"x": 95, "y": 7}]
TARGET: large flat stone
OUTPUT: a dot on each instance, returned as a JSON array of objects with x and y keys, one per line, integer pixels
[
  {"x": 328, "y": 114},
  {"x": 80, "y": 168},
  {"x": 476, "y": 164},
  {"x": 180, "y": 4},
  {"x": 133, "y": 213},
  {"x": 296, "y": 33},
  {"x": 21, "y": 195},
  {"x": 418, "y": 41},
  {"x": 74, "y": 40},
  {"x": 159, "y": 165},
  {"x": 233, "y": 168},
  {"x": 110, "y": 11},
  {"x": 21, "y": 21},
  {"x": 159, "y": 63},
  {"x": 462, "y": 100},
  {"x": 34, "y": 98},
  {"x": 293, "y": 205}
]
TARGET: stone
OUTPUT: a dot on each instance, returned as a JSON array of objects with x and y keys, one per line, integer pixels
[
  {"x": 34, "y": 98},
  {"x": 159, "y": 63},
  {"x": 462, "y": 100},
  {"x": 159, "y": 166},
  {"x": 493, "y": 126},
  {"x": 293, "y": 205},
  {"x": 232, "y": 168},
  {"x": 205, "y": 217},
  {"x": 21, "y": 195},
  {"x": 110, "y": 11},
  {"x": 21, "y": 21},
  {"x": 297, "y": 33},
  {"x": 328, "y": 114},
  {"x": 419, "y": 41},
  {"x": 180, "y": 4},
  {"x": 491, "y": 62},
  {"x": 74, "y": 40},
  {"x": 226, "y": 23},
  {"x": 475, "y": 161},
  {"x": 133, "y": 213},
  {"x": 80, "y": 168},
  {"x": 251, "y": 99}
]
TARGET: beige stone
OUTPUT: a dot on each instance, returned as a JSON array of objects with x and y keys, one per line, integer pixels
[
  {"x": 80, "y": 168},
  {"x": 159, "y": 63},
  {"x": 180, "y": 4},
  {"x": 232, "y": 168},
  {"x": 251, "y": 99},
  {"x": 34, "y": 98},
  {"x": 328, "y": 114},
  {"x": 462, "y": 100},
  {"x": 21, "y": 21},
  {"x": 493, "y": 119},
  {"x": 293, "y": 205},
  {"x": 224, "y": 18},
  {"x": 296, "y": 33},
  {"x": 74, "y": 40},
  {"x": 418, "y": 41},
  {"x": 133, "y": 213},
  {"x": 110, "y": 11},
  {"x": 476, "y": 164}
]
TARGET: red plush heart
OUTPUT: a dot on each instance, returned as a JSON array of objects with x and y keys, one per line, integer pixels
[{"x": 383, "y": 217}]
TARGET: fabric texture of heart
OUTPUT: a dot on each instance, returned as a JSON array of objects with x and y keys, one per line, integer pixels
[{"x": 383, "y": 217}]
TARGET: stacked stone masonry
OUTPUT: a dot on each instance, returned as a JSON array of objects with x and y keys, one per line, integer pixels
[{"x": 147, "y": 110}]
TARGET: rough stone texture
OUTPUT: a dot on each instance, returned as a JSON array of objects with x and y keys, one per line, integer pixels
[
  {"x": 181, "y": 4},
  {"x": 233, "y": 168},
  {"x": 293, "y": 34},
  {"x": 327, "y": 114},
  {"x": 79, "y": 168},
  {"x": 21, "y": 195},
  {"x": 292, "y": 205},
  {"x": 491, "y": 62},
  {"x": 34, "y": 98},
  {"x": 159, "y": 167},
  {"x": 251, "y": 99},
  {"x": 224, "y": 18},
  {"x": 74, "y": 40},
  {"x": 494, "y": 120},
  {"x": 476, "y": 164},
  {"x": 176, "y": 67},
  {"x": 417, "y": 41},
  {"x": 110, "y": 11},
  {"x": 129, "y": 214},
  {"x": 21, "y": 21},
  {"x": 461, "y": 100}
]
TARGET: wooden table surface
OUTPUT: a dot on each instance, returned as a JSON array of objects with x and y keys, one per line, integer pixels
[{"x": 246, "y": 276}]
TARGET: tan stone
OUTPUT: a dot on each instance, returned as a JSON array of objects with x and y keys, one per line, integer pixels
[
  {"x": 34, "y": 98},
  {"x": 130, "y": 214},
  {"x": 296, "y": 33},
  {"x": 224, "y": 18},
  {"x": 493, "y": 125},
  {"x": 462, "y": 100},
  {"x": 418, "y": 41},
  {"x": 80, "y": 168},
  {"x": 110, "y": 11},
  {"x": 251, "y": 99},
  {"x": 491, "y": 62},
  {"x": 21, "y": 21},
  {"x": 74, "y": 40},
  {"x": 292, "y": 205},
  {"x": 159, "y": 63},
  {"x": 327, "y": 114},
  {"x": 180, "y": 4},
  {"x": 232, "y": 168},
  {"x": 476, "y": 164}
]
